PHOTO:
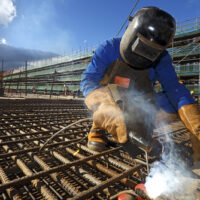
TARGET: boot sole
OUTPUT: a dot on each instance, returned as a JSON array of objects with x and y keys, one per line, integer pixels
[{"x": 96, "y": 146}]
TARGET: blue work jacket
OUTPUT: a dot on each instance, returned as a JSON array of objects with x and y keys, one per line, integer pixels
[{"x": 174, "y": 94}]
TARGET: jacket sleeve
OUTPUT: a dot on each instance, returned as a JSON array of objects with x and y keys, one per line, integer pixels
[
  {"x": 103, "y": 57},
  {"x": 176, "y": 92}
]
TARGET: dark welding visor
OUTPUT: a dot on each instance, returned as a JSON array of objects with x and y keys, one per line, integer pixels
[{"x": 146, "y": 48}]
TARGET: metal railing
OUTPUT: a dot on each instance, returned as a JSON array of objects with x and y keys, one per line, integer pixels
[
  {"x": 183, "y": 27},
  {"x": 188, "y": 26}
]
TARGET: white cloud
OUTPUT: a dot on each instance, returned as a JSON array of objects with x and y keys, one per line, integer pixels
[
  {"x": 7, "y": 11},
  {"x": 3, "y": 41}
]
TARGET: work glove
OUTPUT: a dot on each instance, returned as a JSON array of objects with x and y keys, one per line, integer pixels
[
  {"x": 107, "y": 114},
  {"x": 190, "y": 116}
]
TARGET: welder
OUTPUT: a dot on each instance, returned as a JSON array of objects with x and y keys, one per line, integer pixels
[{"x": 119, "y": 84}]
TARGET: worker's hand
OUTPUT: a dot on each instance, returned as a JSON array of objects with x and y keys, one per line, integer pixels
[
  {"x": 190, "y": 116},
  {"x": 107, "y": 114}
]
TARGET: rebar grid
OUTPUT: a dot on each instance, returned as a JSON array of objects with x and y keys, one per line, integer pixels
[{"x": 66, "y": 168}]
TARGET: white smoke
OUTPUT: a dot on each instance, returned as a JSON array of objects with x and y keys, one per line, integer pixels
[
  {"x": 7, "y": 12},
  {"x": 169, "y": 178}
]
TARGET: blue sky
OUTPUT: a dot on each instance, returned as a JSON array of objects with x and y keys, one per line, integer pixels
[{"x": 61, "y": 26}]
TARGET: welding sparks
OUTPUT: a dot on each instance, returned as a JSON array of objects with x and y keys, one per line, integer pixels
[
  {"x": 172, "y": 183},
  {"x": 170, "y": 177},
  {"x": 161, "y": 181}
]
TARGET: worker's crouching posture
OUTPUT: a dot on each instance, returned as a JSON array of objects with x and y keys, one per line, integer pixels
[{"x": 118, "y": 83}]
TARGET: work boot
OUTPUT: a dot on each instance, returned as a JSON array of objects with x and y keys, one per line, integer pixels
[{"x": 96, "y": 142}]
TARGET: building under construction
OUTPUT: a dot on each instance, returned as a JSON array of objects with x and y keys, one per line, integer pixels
[
  {"x": 62, "y": 75},
  {"x": 34, "y": 166}
]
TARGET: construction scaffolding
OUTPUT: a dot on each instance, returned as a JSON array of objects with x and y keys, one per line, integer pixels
[
  {"x": 62, "y": 75},
  {"x": 185, "y": 51}
]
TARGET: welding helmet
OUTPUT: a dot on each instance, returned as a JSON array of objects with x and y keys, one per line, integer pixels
[{"x": 146, "y": 37}]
